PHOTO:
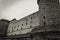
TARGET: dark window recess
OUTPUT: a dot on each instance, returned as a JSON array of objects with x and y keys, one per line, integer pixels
[
  {"x": 26, "y": 19},
  {"x": 31, "y": 17},
  {"x": 30, "y": 26},
  {"x": 26, "y": 23},
  {"x": 44, "y": 23},
  {"x": 44, "y": 17},
  {"x": 22, "y": 24}
]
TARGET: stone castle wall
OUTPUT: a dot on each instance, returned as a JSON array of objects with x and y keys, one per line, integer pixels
[{"x": 46, "y": 17}]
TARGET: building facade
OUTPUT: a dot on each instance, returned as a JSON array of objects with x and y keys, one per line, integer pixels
[{"x": 41, "y": 25}]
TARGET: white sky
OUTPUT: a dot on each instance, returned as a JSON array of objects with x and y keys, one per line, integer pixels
[{"x": 17, "y": 8}]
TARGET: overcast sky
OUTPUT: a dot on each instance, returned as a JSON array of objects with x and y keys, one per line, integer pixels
[{"x": 18, "y": 9}]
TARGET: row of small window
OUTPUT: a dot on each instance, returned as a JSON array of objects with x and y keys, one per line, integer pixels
[
  {"x": 27, "y": 19},
  {"x": 44, "y": 15},
  {"x": 26, "y": 22},
  {"x": 20, "y": 29},
  {"x": 32, "y": 17},
  {"x": 21, "y": 25}
]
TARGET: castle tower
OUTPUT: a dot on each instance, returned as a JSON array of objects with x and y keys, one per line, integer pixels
[{"x": 49, "y": 13}]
